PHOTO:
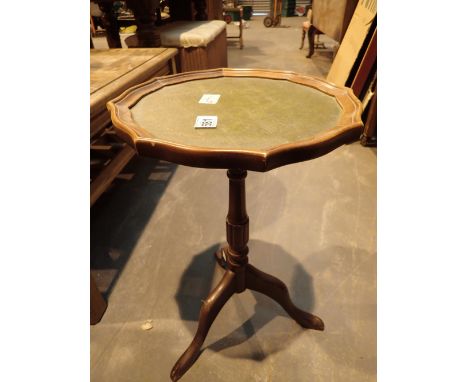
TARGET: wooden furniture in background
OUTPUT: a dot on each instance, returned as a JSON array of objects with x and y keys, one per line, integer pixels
[
  {"x": 354, "y": 42},
  {"x": 240, "y": 11},
  {"x": 201, "y": 44},
  {"x": 355, "y": 64},
  {"x": 369, "y": 135},
  {"x": 270, "y": 136},
  {"x": 364, "y": 85},
  {"x": 145, "y": 17},
  {"x": 366, "y": 67},
  {"x": 312, "y": 34},
  {"x": 330, "y": 17},
  {"x": 91, "y": 25},
  {"x": 109, "y": 20},
  {"x": 214, "y": 9},
  {"x": 97, "y": 302},
  {"x": 112, "y": 72},
  {"x": 199, "y": 10}
]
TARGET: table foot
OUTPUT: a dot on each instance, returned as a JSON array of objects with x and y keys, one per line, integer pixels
[
  {"x": 275, "y": 289},
  {"x": 208, "y": 312}
]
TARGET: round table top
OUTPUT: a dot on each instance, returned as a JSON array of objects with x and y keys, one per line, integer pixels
[{"x": 265, "y": 119}]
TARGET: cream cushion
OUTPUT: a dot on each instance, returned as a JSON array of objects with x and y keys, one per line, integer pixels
[{"x": 188, "y": 34}]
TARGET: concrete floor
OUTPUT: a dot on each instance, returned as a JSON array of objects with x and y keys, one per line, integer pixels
[
  {"x": 278, "y": 48},
  {"x": 312, "y": 224}
]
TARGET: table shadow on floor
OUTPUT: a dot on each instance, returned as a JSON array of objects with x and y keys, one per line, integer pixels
[
  {"x": 201, "y": 271},
  {"x": 120, "y": 216}
]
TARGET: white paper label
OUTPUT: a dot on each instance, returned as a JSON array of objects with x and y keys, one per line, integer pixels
[
  {"x": 210, "y": 98},
  {"x": 206, "y": 122}
]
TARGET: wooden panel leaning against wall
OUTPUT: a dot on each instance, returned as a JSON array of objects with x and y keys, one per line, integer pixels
[{"x": 355, "y": 64}]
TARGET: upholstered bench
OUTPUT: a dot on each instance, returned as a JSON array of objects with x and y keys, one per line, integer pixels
[{"x": 201, "y": 44}]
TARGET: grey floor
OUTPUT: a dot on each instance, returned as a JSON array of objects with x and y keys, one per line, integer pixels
[{"x": 312, "y": 224}]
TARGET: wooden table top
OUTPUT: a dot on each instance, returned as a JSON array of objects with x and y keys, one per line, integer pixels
[
  {"x": 265, "y": 118},
  {"x": 114, "y": 70}
]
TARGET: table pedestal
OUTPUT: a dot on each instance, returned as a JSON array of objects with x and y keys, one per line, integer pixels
[{"x": 239, "y": 276}]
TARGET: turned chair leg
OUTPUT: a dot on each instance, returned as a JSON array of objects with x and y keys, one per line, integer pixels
[
  {"x": 303, "y": 38},
  {"x": 310, "y": 37},
  {"x": 208, "y": 312}
]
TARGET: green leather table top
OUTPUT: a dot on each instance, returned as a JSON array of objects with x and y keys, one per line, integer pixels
[{"x": 253, "y": 113}]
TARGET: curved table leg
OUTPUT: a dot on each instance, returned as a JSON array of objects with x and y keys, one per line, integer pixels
[
  {"x": 208, "y": 312},
  {"x": 274, "y": 288}
]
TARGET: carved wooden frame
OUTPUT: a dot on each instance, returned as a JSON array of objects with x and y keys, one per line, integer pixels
[{"x": 348, "y": 128}]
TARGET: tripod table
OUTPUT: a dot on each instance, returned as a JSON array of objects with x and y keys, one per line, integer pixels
[{"x": 240, "y": 120}]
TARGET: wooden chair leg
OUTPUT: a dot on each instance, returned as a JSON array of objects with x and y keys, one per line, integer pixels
[
  {"x": 310, "y": 36},
  {"x": 303, "y": 38}
]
